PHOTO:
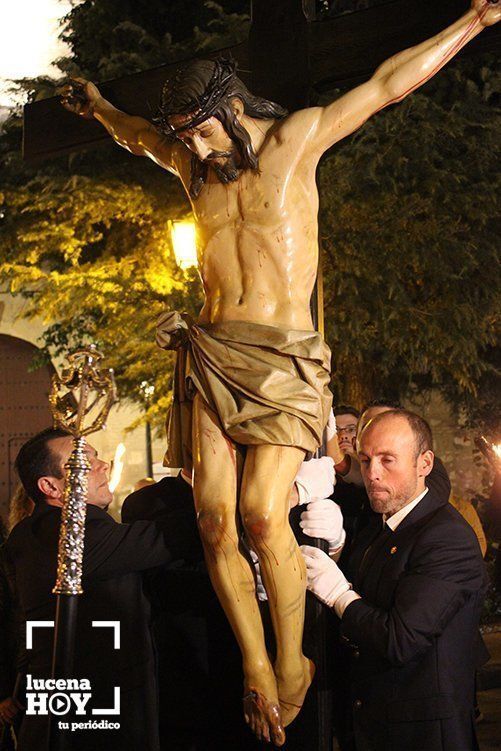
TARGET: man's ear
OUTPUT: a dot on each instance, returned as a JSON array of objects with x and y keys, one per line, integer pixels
[
  {"x": 238, "y": 107},
  {"x": 51, "y": 487},
  {"x": 425, "y": 463}
]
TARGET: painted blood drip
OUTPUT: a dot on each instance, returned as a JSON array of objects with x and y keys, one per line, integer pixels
[
  {"x": 210, "y": 553},
  {"x": 209, "y": 434},
  {"x": 270, "y": 551},
  {"x": 231, "y": 450},
  {"x": 275, "y": 591},
  {"x": 445, "y": 59}
]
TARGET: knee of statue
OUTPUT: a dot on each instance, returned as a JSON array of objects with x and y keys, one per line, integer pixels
[
  {"x": 260, "y": 525},
  {"x": 213, "y": 524}
]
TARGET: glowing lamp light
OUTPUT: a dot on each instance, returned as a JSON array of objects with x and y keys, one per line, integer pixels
[
  {"x": 184, "y": 243},
  {"x": 497, "y": 450},
  {"x": 118, "y": 465}
]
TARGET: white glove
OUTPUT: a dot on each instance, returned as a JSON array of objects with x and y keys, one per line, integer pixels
[
  {"x": 323, "y": 577},
  {"x": 260, "y": 590},
  {"x": 323, "y": 519},
  {"x": 316, "y": 479},
  {"x": 331, "y": 428}
]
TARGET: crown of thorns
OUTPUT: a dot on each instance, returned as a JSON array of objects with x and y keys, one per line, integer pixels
[{"x": 204, "y": 106}]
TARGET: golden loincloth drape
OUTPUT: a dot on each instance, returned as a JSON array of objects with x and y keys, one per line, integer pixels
[{"x": 267, "y": 385}]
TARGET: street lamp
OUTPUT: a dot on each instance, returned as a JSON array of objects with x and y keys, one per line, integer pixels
[{"x": 184, "y": 242}]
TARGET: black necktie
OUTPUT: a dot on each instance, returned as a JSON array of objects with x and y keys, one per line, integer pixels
[{"x": 370, "y": 554}]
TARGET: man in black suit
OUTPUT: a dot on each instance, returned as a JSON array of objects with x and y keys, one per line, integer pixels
[
  {"x": 412, "y": 611},
  {"x": 114, "y": 557}
]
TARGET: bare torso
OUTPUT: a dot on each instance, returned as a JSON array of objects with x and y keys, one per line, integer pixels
[{"x": 258, "y": 237}]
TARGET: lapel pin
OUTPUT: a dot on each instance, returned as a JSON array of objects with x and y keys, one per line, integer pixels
[{"x": 393, "y": 550}]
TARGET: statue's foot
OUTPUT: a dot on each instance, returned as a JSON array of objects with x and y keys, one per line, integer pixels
[
  {"x": 263, "y": 717},
  {"x": 292, "y": 690}
]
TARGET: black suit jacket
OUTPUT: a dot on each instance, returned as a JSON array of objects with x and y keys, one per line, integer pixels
[
  {"x": 155, "y": 500},
  {"x": 414, "y": 633},
  {"x": 114, "y": 557}
]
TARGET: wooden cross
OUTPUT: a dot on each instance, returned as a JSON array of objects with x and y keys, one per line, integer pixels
[{"x": 289, "y": 54}]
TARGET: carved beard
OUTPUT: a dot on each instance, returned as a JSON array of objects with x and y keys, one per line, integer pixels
[{"x": 227, "y": 171}]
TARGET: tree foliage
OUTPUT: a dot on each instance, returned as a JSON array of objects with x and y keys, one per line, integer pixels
[
  {"x": 407, "y": 225},
  {"x": 111, "y": 38}
]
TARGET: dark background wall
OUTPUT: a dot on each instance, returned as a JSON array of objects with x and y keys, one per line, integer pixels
[{"x": 24, "y": 406}]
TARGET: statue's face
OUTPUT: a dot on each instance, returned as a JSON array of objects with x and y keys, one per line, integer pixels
[{"x": 211, "y": 143}]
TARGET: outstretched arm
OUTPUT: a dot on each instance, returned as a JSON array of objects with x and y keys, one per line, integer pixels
[
  {"x": 400, "y": 75},
  {"x": 135, "y": 134}
]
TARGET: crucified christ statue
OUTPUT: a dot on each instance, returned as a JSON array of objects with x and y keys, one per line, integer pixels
[{"x": 252, "y": 375}]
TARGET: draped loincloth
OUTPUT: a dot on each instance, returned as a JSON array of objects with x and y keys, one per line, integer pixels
[{"x": 267, "y": 385}]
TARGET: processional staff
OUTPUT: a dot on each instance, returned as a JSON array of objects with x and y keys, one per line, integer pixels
[{"x": 81, "y": 394}]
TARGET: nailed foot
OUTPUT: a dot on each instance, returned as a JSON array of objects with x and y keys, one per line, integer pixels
[
  {"x": 292, "y": 691},
  {"x": 264, "y": 718}
]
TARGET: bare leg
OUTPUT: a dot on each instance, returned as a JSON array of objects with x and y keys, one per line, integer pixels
[
  {"x": 269, "y": 472},
  {"x": 215, "y": 489}
]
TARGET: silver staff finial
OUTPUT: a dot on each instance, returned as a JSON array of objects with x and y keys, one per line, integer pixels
[{"x": 81, "y": 389}]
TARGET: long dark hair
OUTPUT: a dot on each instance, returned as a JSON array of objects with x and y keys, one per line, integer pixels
[{"x": 203, "y": 89}]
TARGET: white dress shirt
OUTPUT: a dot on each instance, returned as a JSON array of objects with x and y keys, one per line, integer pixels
[{"x": 397, "y": 518}]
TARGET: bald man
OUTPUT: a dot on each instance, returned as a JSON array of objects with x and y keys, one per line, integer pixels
[{"x": 410, "y": 603}]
